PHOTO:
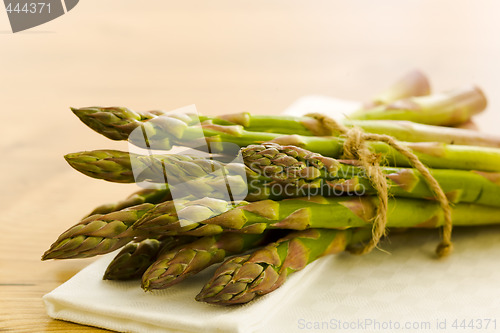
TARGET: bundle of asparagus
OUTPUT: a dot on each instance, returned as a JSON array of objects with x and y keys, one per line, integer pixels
[{"x": 301, "y": 197}]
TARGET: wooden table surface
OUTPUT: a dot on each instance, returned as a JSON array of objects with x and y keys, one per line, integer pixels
[{"x": 224, "y": 56}]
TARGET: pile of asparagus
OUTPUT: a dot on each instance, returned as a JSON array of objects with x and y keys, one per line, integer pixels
[{"x": 302, "y": 199}]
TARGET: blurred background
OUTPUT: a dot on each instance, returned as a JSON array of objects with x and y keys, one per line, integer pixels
[
  {"x": 224, "y": 56},
  {"x": 229, "y": 56}
]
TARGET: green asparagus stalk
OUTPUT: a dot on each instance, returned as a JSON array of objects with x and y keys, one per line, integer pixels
[
  {"x": 415, "y": 132},
  {"x": 277, "y": 172},
  {"x": 242, "y": 278},
  {"x": 117, "y": 123},
  {"x": 173, "y": 266},
  {"x": 109, "y": 122},
  {"x": 315, "y": 212},
  {"x": 432, "y": 154},
  {"x": 445, "y": 109},
  {"x": 435, "y": 155},
  {"x": 402, "y": 130},
  {"x": 149, "y": 195},
  {"x": 293, "y": 167},
  {"x": 98, "y": 234}
]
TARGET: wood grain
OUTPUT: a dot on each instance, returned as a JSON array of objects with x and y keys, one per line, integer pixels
[{"x": 225, "y": 56}]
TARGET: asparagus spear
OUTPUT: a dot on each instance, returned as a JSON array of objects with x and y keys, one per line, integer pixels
[
  {"x": 277, "y": 172},
  {"x": 117, "y": 123},
  {"x": 173, "y": 266},
  {"x": 445, "y": 109},
  {"x": 134, "y": 258},
  {"x": 435, "y": 155},
  {"x": 242, "y": 278},
  {"x": 314, "y": 212},
  {"x": 98, "y": 234},
  {"x": 149, "y": 195},
  {"x": 290, "y": 166},
  {"x": 402, "y": 130},
  {"x": 415, "y": 132}
]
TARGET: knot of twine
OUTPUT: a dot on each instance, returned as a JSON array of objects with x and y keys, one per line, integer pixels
[{"x": 355, "y": 147}]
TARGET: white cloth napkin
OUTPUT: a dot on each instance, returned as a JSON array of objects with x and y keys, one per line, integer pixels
[
  {"x": 406, "y": 290},
  {"x": 124, "y": 306}
]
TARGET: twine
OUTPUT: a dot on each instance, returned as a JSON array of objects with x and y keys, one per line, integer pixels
[{"x": 355, "y": 147}]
